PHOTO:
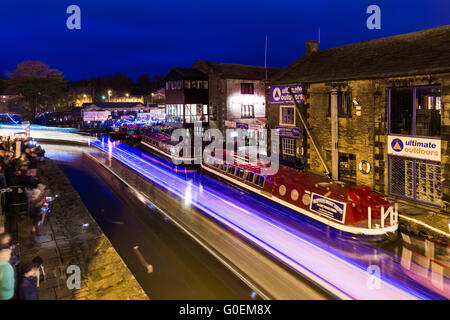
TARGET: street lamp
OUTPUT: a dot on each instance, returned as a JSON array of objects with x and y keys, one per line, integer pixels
[{"x": 109, "y": 95}]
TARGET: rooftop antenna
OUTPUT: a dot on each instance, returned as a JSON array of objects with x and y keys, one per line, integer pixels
[{"x": 265, "y": 58}]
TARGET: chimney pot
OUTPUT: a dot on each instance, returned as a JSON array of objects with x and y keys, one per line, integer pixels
[{"x": 311, "y": 47}]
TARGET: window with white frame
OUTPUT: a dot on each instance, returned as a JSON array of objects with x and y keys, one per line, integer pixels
[
  {"x": 288, "y": 146},
  {"x": 287, "y": 115},
  {"x": 247, "y": 111}
]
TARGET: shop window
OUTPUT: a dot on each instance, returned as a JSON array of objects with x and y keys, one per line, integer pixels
[
  {"x": 421, "y": 103},
  {"x": 288, "y": 146},
  {"x": 428, "y": 111},
  {"x": 194, "y": 84},
  {"x": 247, "y": 88},
  {"x": 415, "y": 179},
  {"x": 344, "y": 100},
  {"x": 187, "y": 84},
  {"x": 287, "y": 115},
  {"x": 401, "y": 110},
  {"x": 247, "y": 111}
]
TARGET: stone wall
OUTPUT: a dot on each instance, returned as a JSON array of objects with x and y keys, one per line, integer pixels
[
  {"x": 356, "y": 131},
  {"x": 363, "y": 132},
  {"x": 104, "y": 274},
  {"x": 235, "y": 99}
]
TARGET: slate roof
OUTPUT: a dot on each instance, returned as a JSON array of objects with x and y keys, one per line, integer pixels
[
  {"x": 421, "y": 52},
  {"x": 235, "y": 71},
  {"x": 186, "y": 73}
]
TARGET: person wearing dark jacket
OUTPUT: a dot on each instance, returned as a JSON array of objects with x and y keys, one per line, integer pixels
[{"x": 27, "y": 287}]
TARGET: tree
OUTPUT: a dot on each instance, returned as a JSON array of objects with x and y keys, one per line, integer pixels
[
  {"x": 143, "y": 85},
  {"x": 2, "y": 83},
  {"x": 38, "y": 84},
  {"x": 119, "y": 83}
]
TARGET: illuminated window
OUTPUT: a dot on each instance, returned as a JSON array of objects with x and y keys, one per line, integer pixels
[
  {"x": 247, "y": 88},
  {"x": 247, "y": 111}
]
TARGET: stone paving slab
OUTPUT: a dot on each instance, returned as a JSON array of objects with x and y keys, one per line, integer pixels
[
  {"x": 423, "y": 219},
  {"x": 62, "y": 241}
]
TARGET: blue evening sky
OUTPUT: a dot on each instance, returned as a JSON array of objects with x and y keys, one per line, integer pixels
[{"x": 147, "y": 36}]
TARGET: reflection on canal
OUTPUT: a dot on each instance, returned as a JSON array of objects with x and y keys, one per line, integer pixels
[{"x": 414, "y": 266}]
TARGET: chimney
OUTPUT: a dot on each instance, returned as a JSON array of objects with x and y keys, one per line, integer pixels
[{"x": 311, "y": 47}]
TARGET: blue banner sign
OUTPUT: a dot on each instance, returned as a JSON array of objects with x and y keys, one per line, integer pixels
[
  {"x": 242, "y": 125},
  {"x": 288, "y": 131},
  {"x": 279, "y": 95},
  {"x": 328, "y": 207}
]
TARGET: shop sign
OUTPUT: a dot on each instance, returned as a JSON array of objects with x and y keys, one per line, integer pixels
[
  {"x": 253, "y": 126},
  {"x": 230, "y": 124},
  {"x": 328, "y": 207},
  {"x": 279, "y": 95},
  {"x": 293, "y": 132},
  {"x": 412, "y": 147},
  {"x": 242, "y": 125}
]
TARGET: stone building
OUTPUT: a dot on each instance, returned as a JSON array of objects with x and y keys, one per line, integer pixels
[
  {"x": 380, "y": 112},
  {"x": 237, "y": 97}
]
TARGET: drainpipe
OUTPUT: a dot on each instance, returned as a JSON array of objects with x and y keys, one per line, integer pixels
[{"x": 334, "y": 135}]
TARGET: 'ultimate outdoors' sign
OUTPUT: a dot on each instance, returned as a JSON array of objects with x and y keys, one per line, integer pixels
[
  {"x": 412, "y": 147},
  {"x": 279, "y": 95},
  {"x": 328, "y": 207}
]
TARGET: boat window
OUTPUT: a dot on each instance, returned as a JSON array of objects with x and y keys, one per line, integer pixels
[
  {"x": 250, "y": 176},
  {"x": 259, "y": 180},
  {"x": 231, "y": 169},
  {"x": 240, "y": 173}
]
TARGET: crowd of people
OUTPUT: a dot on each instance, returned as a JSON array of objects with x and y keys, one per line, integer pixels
[{"x": 20, "y": 191}]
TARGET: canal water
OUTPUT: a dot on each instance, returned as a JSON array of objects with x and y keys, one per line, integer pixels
[
  {"x": 418, "y": 263},
  {"x": 182, "y": 268}
]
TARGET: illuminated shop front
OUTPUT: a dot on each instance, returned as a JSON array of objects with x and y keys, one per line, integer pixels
[
  {"x": 186, "y": 97},
  {"x": 187, "y": 113},
  {"x": 414, "y": 143}
]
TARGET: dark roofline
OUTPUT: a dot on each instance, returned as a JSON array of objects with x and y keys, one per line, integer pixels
[
  {"x": 417, "y": 53},
  {"x": 220, "y": 68},
  {"x": 187, "y": 73}
]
